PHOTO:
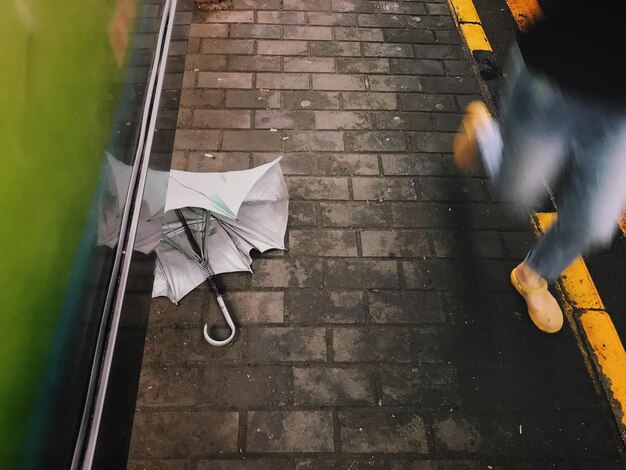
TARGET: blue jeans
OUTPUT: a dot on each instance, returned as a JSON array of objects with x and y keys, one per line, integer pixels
[{"x": 542, "y": 130}]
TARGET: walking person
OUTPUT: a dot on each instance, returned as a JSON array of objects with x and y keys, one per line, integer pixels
[{"x": 564, "y": 106}]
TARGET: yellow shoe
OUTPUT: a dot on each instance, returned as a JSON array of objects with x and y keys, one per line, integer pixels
[
  {"x": 465, "y": 147},
  {"x": 550, "y": 318}
]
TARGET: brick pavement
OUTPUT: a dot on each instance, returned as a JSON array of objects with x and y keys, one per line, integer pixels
[{"x": 387, "y": 336}]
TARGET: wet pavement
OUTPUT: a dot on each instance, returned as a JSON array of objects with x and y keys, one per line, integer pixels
[{"x": 387, "y": 337}]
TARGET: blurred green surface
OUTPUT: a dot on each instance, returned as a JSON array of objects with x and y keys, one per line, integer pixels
[{"x": 57, "y": 93}]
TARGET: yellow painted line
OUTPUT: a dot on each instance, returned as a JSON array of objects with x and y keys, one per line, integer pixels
[
  {"x": 524, "y": 12},
  {"x": 467, "y": 19},
  {"x": 609, "y": 352},
  {"x": 586, "y": 306}
]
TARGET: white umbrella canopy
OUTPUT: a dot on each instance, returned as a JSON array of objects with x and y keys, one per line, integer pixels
[{"x": 212, "y": 222}]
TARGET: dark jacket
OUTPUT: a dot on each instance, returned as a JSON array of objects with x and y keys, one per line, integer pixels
[{"x": 581, "y": 46}]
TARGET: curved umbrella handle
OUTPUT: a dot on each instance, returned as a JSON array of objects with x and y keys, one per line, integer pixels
[{"x": 231, "y": 325}]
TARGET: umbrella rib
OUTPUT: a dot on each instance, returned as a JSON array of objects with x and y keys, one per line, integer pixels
[{"x": 204, "y": 195}]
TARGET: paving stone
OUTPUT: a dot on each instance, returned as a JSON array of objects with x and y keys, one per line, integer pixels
[
  {"x": 331, "y": 19},
  {"x": 301, "y": 344},
  {"x": 310, "y": 5},
  {"x": 254, "y": 99},
  {"x": 189, "y": 310},
  {"x": 457, "y": 67},
  {"x": 382, "y": 21},
  {"x": 251, "y": 140},
  {"x": 209, "y": 30},
  {"x": 402, "y": 120},
  {"x": 290, "y": 431},
  {"x": 380, "y": 141},
  {"x": 401, "y": 83},
  {"x": 406, "y": 307},
  {"x": 256, "y": 5},
  {"x": 284, "y": 119},
  {"x": 464, "y": 100},
  {"x": 430, "y": 141},
  {"x": 250, "y": 463},
  {"x": 334, "y": 49},
  {"x": 333, "y": 387},
  {"x": 308, "y": 141},
  {"x": 312, "y": 307},
  {"x": 451, "y": 189},
  {"x": 355, "y": 214},
  {"x": 448, "y": 37},
  {"x": 291, "y": 163},
  {"x": 382, "y": 49},
  {"x": 518, "y": 244},
  {"x": 417, "y": 67},
  {"x": 302, "y": 214},
  {"x": 362, "y": 65},
  {"x": 229, "y": 17},
  {"x": 457, "y": 435},
  {"x": 394, "y": 244},
  {"x": 322, "y": 243},
  {"x": 205, "y": 62},
  {"x": 436, "y": 465},
  {"x": 309, "y": 64},
  {"x": 385, "y": 432},
  {"x": 381, "y": 344},
  {"x": 171, "y": 386},
  {"x": 402, "y": 8},
  {"x": 441, "y": 52},
  {"x": 221, "y": 119},
  {"x": 224, "y": 80},
  {"x": 254, "y": 63},
  {"x": 338, "y": 82},
  {"x": 197, "y": 140},
  {"x": 262, "y": 31},
  {"x": 308, "y": 33},
  {"x": 313, "y": 187},
  {"x": 285, "y": 273},
  {"x": 384, "y": 189},
  {"x": 437, "y": 23},
  {"x": 281, "y": 47},
  {"x": 456, "y": 85},
  {"x": 347, "y": 164},
  {"x": 355, "y": 100},
  {"x": 311, "y": 100},
  {"x": 454, "y": 244},
  {"x": 435, "y": 274},
  {"x": 359, "y": 34},
  {"x": 342, "y": 120},
  {"x": 227, "y": 46},
  {"x": 152, "y": 464},
  {"x": 424, "y": 102},
  {"x": 359, "y": 273},
  {"x": 178, "y": 346},
  {"x": 357, "y": 6},
  {"x": 253, "y": 306},
  {"x": 192, "y": 438},
  {"x": 427, "y": 387},
  {"x": 409, "y": 36},
  {"x": 245, "y": 387},
  {"x": 423, "y": 215},
  {"x": 339, "y": 463},
  {"x": 416, "y": 164},
  {"x": 281, "y": 17},
  {"x": 283, "y": 81},
  {"x": 219, "y": 161}
]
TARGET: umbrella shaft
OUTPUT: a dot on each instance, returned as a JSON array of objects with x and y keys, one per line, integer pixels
[{"x": 211, "y": 281}]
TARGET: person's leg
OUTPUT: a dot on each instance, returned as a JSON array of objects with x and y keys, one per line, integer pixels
[
  {"x": 526, "y": 148},
  {"x": 593, "y": 197}
]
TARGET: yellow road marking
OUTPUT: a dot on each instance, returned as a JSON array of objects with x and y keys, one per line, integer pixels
[
  {"x": 610, "y": 354},
  {"x": 524, "y": 12},
  {"x": 468, "y": 21},
  {"x": 587, "y": 308}
]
